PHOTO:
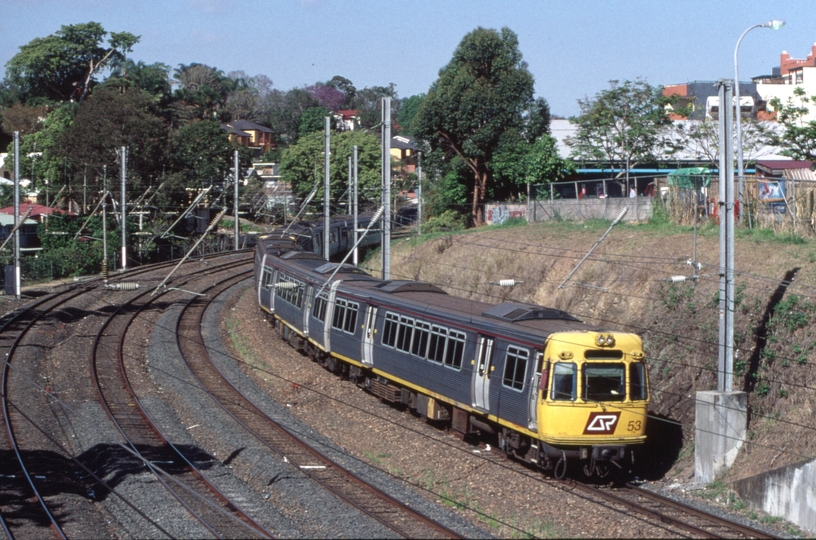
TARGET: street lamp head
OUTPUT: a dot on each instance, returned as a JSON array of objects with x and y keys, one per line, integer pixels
[{"x": 774, "y": 24}]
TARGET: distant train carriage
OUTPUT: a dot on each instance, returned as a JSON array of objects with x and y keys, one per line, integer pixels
[
  {"x": 309, "y": 234},
  {"x": 549, "y": 387}
]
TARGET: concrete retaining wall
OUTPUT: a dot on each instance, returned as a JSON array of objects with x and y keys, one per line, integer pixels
[
  {"x": 788, "y": 492},
  {"x": 640, "y": 209}
]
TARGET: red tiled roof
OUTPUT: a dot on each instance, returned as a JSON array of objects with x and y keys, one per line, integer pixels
[{"x": 36, "y": 210}]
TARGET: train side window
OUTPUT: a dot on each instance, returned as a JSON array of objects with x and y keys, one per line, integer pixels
[
  {"x": 637, "y": 381},
  {"x": 267, "y": 278},
  {"x": 419, "y": 345},
  {"x": 404, "y": 334},
  {"x": 389, "y": 337},
  {"x": 455, "y": 349},
  {"x": 345, "y": 315},
  {"x": 604, "y": 382},
  {"x": 515, "y": 367},
  {"x": 563, "y": 381},
  {"x": 290, "y": 293},
  {"x": 319, "y": 309},
  {"x": 436, "y": 346}
]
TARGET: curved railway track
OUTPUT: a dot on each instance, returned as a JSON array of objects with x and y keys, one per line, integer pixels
[
  {"x": 396, "y": 516},
  {"x": 678, "y": 517},
  {"x": 176, "y": 471},
  {"x": 30, "y": 502},
  {"x": 32, "y": 477}
]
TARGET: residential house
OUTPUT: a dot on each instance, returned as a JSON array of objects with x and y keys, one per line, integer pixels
[
  {"x": 347, "y": 120},
  {"x": 258, "y": 138},
  {"x": 791, "y": 74}
]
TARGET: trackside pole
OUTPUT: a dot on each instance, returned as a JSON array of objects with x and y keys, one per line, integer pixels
[{"x": 721, "y": 422}]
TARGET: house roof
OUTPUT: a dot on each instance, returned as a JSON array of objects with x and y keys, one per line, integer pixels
[
  {"x": 36, "y": 210},
  {"x": 234, "y": 131},
  {"x": 246, "y": 125},
  {"x": 403, "y": 143},
  {"x": 778, "y": 167}
]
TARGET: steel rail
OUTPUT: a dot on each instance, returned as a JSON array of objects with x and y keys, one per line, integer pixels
[
  {"x": 14, "y": 326},
  {"x": 328, "y": 473},
  {"x": 118, "y": 398}
]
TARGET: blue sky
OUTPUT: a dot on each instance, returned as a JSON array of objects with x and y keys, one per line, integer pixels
[{"x": 573, "y": 47}]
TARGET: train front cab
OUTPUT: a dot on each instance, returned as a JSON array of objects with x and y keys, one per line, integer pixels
[{"x": 592, "y": 399}]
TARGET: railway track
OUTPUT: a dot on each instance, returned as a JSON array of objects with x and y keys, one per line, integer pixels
[
  {"x": 177, "y": 471},
  {"x": 396, "y": 516},
  {"x": 677, "y": 516}
]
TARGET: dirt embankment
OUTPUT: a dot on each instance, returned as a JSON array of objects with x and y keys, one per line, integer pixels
[{"x": 626, "y": 284}]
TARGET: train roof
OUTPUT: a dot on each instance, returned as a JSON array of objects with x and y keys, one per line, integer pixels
[{"x": 525, "y": 321}]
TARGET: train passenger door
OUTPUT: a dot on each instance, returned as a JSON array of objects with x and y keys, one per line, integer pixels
[
  {"x": 306, "y": 302},
  {"x": 481, "y": 374},
  {"x": 368, "y": 335},
  {"x": 532, "y": 403}
]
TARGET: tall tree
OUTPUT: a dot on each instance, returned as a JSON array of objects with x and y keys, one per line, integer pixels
[
  {"x": 482, "y": 92},
  {"x": 407, "y": 112},
  {"x": 202, "y": 92},
  {"x": 368, "y": 104},
  {"x": 624, "y": 125},
  {"x": 798, "y": 140},
  {"x": 109, "y": 120},
  {"x": 152, "y": 78},
  {"x": 345, "y": 86},
  {"x": 64, "y": 65},
  {"x": 302, "y": 164},
  {"x": 249, "y": 99},
  {"x": 285, "y": 110}
]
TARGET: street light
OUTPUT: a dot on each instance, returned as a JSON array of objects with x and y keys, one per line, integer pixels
[{"x": 776, "y": 25}]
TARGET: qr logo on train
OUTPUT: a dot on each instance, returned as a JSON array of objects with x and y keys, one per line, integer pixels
[{"x": 601, "y": 423}]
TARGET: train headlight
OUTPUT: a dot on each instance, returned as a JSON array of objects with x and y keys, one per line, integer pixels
[{"x": 605, "y": 340}]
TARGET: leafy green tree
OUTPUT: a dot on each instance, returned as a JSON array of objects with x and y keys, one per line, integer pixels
[
  {"x": 302, "y": 165},
  {"x": 39, "y": 159},
  {"x": 482, "y": 93},
  {"x": 151, "y": 78},
  {"x": 624, "y": 125},
  {"x": 201, "y": 155},
  {"x": 202, "y": 92},
  {"x": 64, "y": 65},
  {"x": 798, "y": 140},
  {"x": 407, "y": 112},
  {"x": 285, "y": 110},
  {"x": 702, "y": 139},
  {"x": 249, "y": 99},
  {"x": 313, "y": 119},
  {"x": 345, "y": 86},
  {"x": 523, "y": 163},
  {"x": 109, "y": 120},
  {"x": 368, "y": 104}
]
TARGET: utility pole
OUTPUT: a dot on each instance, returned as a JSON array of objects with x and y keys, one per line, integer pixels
[
  {"x": 725, "y": 357},
  {"x": 105, "y": 223},
  {"x": 235, "y": 202},
  {"x": 386, "y": 187},
  {"x": 326, "y": 186},
  {"x": 123, "y": 201},
  {"x": 419, "y": 193},
  {"x": 17, "y": 214},
  {"x": 355, "y": 208}
]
